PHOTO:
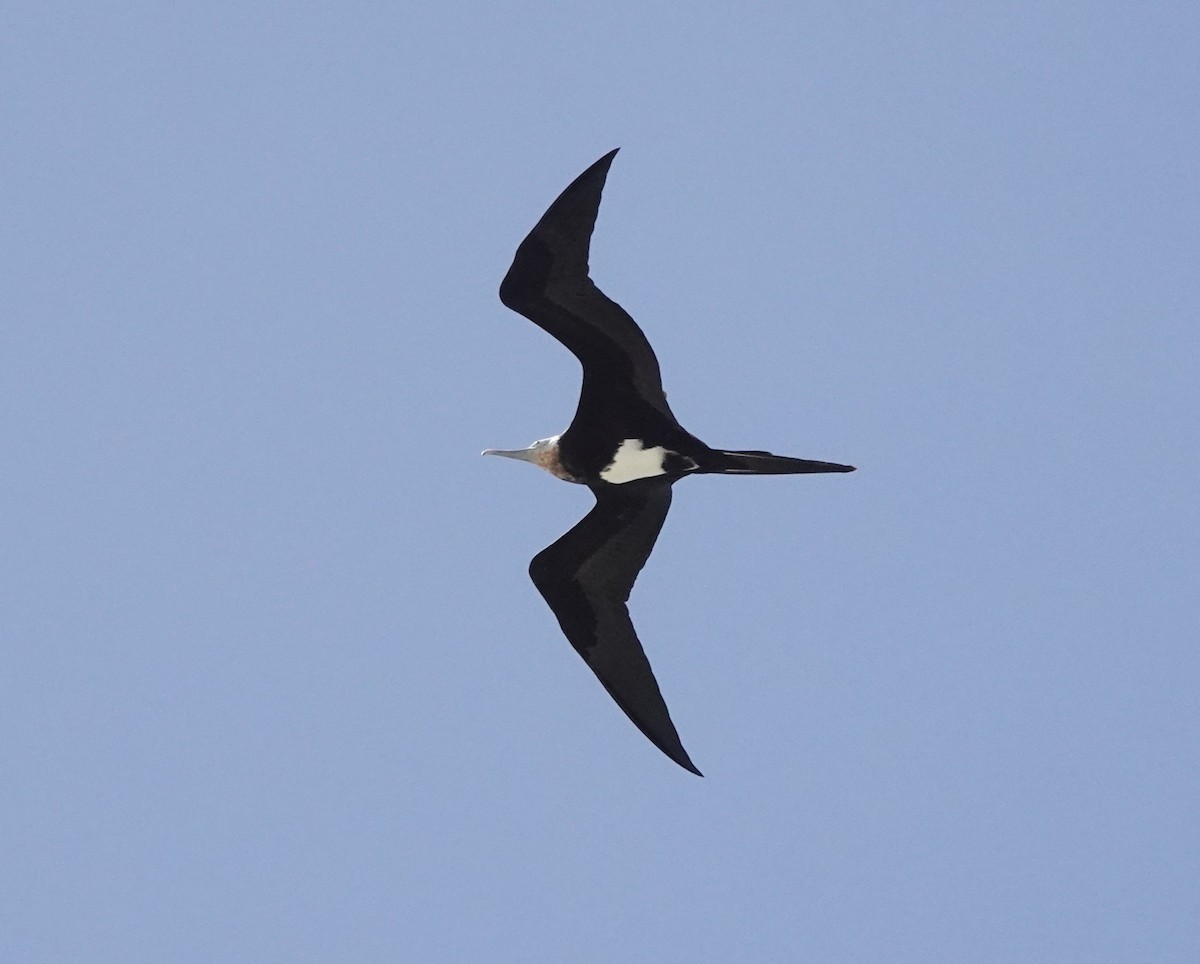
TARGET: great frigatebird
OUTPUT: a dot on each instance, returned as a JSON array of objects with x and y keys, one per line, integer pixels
[{"x": 623, "y": 443}]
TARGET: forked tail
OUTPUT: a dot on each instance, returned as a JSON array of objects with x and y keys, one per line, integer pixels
[{"x": 753, "y": 462}]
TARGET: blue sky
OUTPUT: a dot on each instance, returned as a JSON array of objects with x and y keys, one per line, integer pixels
[{"x": 274, "y": 684}]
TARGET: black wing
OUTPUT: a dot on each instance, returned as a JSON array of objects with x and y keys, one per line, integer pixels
[
  {"x": 548, "y": 283},
  {"x": 586, "y": 577}
]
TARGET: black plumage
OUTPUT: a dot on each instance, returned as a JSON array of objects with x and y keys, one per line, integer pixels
[{"x": 624, "y": 443}]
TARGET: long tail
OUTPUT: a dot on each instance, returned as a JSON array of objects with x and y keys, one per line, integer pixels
[{"x": 753, "y": 462}]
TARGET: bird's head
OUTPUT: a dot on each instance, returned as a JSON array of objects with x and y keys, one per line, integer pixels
[{"x": 543, "y": 453}]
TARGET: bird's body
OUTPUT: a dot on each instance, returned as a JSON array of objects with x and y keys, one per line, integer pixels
[{"x": 624, "y": 443}]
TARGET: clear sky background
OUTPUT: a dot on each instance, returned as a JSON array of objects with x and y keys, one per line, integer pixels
[{"x": 274, "y": 683}]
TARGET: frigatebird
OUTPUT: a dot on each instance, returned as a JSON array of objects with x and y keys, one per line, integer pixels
[{"x": 624, "y": 444}]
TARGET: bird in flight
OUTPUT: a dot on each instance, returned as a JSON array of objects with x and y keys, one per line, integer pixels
[{"x": 624, "y": 444}]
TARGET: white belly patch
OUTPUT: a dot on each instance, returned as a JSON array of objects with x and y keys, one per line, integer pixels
[{"x": 634, "y": 461}]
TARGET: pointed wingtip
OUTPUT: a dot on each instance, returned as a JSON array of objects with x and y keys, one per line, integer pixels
[
  {"x": 603, "y": 164},
  {"x": 675, "y": 753}
]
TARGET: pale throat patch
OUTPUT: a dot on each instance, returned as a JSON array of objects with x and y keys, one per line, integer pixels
[{"x": 634, "y": 461}]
